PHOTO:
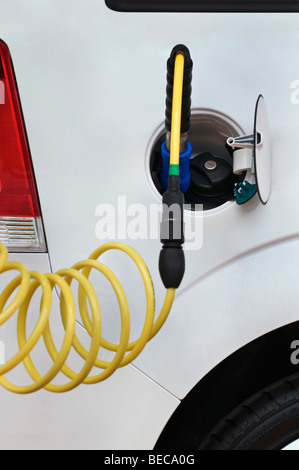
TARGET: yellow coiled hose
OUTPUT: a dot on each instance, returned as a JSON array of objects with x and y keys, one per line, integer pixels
[{"x": 26, "y": 284}]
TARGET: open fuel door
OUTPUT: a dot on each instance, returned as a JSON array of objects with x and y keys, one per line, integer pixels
[{"x": 252, "y": 154}]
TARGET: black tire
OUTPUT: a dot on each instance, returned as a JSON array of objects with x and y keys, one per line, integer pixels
[{"x": 267, "y": 421}]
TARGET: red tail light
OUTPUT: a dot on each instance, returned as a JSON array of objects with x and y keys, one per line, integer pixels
[{"x": 20, "y": 218}]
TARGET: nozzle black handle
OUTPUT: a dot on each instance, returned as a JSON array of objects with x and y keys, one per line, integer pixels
[
  {"x": 187, "y": 88},
  {"x": 172, "y": 258}
]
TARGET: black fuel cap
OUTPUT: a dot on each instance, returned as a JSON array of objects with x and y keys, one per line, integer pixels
[{"x": 211, "y": 177}]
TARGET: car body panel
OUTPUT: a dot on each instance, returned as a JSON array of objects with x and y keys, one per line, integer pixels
[{"x": 226, "y": 310}]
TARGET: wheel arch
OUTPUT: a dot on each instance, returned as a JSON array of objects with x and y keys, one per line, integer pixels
[{"x": 266, "y": 360}]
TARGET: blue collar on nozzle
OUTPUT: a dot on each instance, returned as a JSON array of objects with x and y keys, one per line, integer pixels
[{"x": 184, "y": 168}]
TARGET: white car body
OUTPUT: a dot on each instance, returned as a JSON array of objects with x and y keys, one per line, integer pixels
[{"x": 92, "y": 86}]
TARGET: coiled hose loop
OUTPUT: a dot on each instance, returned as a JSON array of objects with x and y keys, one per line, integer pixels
[{"x": 27, "y": 283}]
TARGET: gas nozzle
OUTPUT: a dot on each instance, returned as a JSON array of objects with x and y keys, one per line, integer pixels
[{"x": 175, "y": 170}]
